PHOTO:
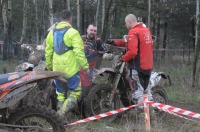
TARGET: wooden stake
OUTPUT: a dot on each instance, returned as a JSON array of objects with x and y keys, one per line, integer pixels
[{"x": 147, "y": 116}]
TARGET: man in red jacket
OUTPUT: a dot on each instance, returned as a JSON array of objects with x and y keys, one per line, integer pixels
[{"x": 139, "y": 54}]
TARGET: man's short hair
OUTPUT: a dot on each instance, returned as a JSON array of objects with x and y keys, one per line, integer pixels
[
  {"x": 93, "y": 24},
  {"x": 65, "y": 15}
]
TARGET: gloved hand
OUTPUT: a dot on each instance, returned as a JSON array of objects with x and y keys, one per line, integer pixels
[
  {"x": 120, "y": 58},
  {"x": 125, "y": 37},
  {"x": 87, "y": 71},
  {"x": 40, "y": 47},
  {"x": 107, "y": 56},
  {"x": 117, "y": 60},
  {"x": 109, "y": 41}
]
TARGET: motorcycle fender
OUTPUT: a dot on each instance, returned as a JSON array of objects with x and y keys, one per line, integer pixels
[
  {"x": 24, "y": 67},
  {"x": 104, "y": 70},
  {"x": 16, "y": 95},
  {"x": 157, "y": 76},
  {"x": 165, "y": 76}
]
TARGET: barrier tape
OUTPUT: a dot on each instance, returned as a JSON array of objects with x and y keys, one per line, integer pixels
[
  {"x": 102, "y": 115},
  {"x": 174, "y": 110},
  {"x": 176, "y": 114},
  {"x": 167, "y": 108}
]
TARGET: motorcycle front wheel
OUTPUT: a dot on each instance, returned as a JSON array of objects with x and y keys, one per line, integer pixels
[
  {"x": 97, "y": 102},
  {"x": 160, "y": 96},
  {"x": 37, "y": 118}
]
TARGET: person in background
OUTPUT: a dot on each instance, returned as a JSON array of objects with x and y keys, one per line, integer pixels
[
  {"x": 139, "y": 57},
  {"x": 139, "y": 54},
  {"x": 94, "y": 49},
  {"x": 64, "y": 53}
]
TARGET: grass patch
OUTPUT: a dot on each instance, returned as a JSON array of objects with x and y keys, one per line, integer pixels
[
  {"x": 9, "y": 66},
  {"x": 181, "y": 89},
  {"x": 181, "y": 96}
]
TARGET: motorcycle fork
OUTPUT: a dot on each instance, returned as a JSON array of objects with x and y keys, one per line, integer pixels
[{"x": 116, "y": 82}]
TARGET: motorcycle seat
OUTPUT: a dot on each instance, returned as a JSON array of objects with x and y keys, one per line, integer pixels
[{"x": 4, "y": 78}]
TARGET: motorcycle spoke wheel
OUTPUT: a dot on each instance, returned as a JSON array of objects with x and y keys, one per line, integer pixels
[
  {"x": 160, "y": 96},
  {"x": 97, "y": 102},
  {"x": 39, "y": 118}
]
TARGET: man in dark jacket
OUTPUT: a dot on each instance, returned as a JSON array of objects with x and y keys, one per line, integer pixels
[{"x": 94, "y": 48}]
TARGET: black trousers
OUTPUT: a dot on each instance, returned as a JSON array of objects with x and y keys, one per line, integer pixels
[{"x": 144, "y": 77}]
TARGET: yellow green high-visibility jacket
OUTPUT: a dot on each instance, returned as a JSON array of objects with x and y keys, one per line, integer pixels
[{"x": 70, "y": 62}]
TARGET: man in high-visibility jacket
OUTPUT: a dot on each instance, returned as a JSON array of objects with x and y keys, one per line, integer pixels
[{"x": 65, "y": 53}]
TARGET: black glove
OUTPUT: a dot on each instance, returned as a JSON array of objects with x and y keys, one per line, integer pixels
[{"x": 109, "y": 41}]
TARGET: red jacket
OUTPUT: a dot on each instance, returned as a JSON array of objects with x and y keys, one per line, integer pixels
[{"x": 139, "y": 45}]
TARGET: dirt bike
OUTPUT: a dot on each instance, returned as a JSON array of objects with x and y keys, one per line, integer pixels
[
  {"x": 104, "y": 98},
  {"x": 44, "y": 89},
  {"x": 14, "y": 87}
]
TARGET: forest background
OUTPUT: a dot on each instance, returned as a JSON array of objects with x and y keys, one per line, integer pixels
[{"x": 175, "y": 23}]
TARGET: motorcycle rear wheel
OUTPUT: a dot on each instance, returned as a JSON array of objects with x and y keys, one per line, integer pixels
[
  {"x": 160, "y": 96},
  {"x": 97, "y": 102},
  {"x": 39, "y": 95},
  {"x": 39, "y": 116}
]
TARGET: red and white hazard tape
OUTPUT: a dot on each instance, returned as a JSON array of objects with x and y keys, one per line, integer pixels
[
  {"x": 169, "y": 109},
  {"x": 146, "y": 111},
  {"x": 176, "y": 114},
  {"x": 102, "y": 115}
]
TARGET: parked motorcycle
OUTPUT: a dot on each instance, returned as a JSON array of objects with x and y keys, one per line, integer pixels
[
  {"x": 14, "y": 87},
  {"x": 104, "y": 98},
  {"x": 44, "y": 89}
]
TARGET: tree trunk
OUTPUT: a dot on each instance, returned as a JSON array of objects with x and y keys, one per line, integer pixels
[
  {"x": 9, "y": 29},
  {"x": 165, "y": 35},
  {"x": 5, "y": 22},
  {"x": 50, "y": 12},
  {"x": 36, "y": 21},
  {"x": 154, "y": 27},
  {"x": 158, "y": 32},
  {"x": 68, "y": 4},
  {"x": 78, "y": 14},
  {"x": 103, "y": 14},
  {"x": 83, "y": 17},
  {"x": 197, "y": 46},
  {"x": 149, "y": 15},
  {"x": 25, "y": 9},
  {"x": 97, "y": 12},
  {"x": 193, "y": 32},
  {"x": 165, "y": 38},
  {"x": 106, "y": 20},
  {"x": 44, "y": 25}
]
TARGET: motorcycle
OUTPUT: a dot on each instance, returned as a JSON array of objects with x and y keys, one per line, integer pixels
[
  {"x": 44, "y": 89},
  {"x": 14, "y": 88},
  {"x": 104, "y": 98}
]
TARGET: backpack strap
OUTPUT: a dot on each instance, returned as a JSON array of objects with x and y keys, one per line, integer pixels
[{"x": 59, "y": 45}]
